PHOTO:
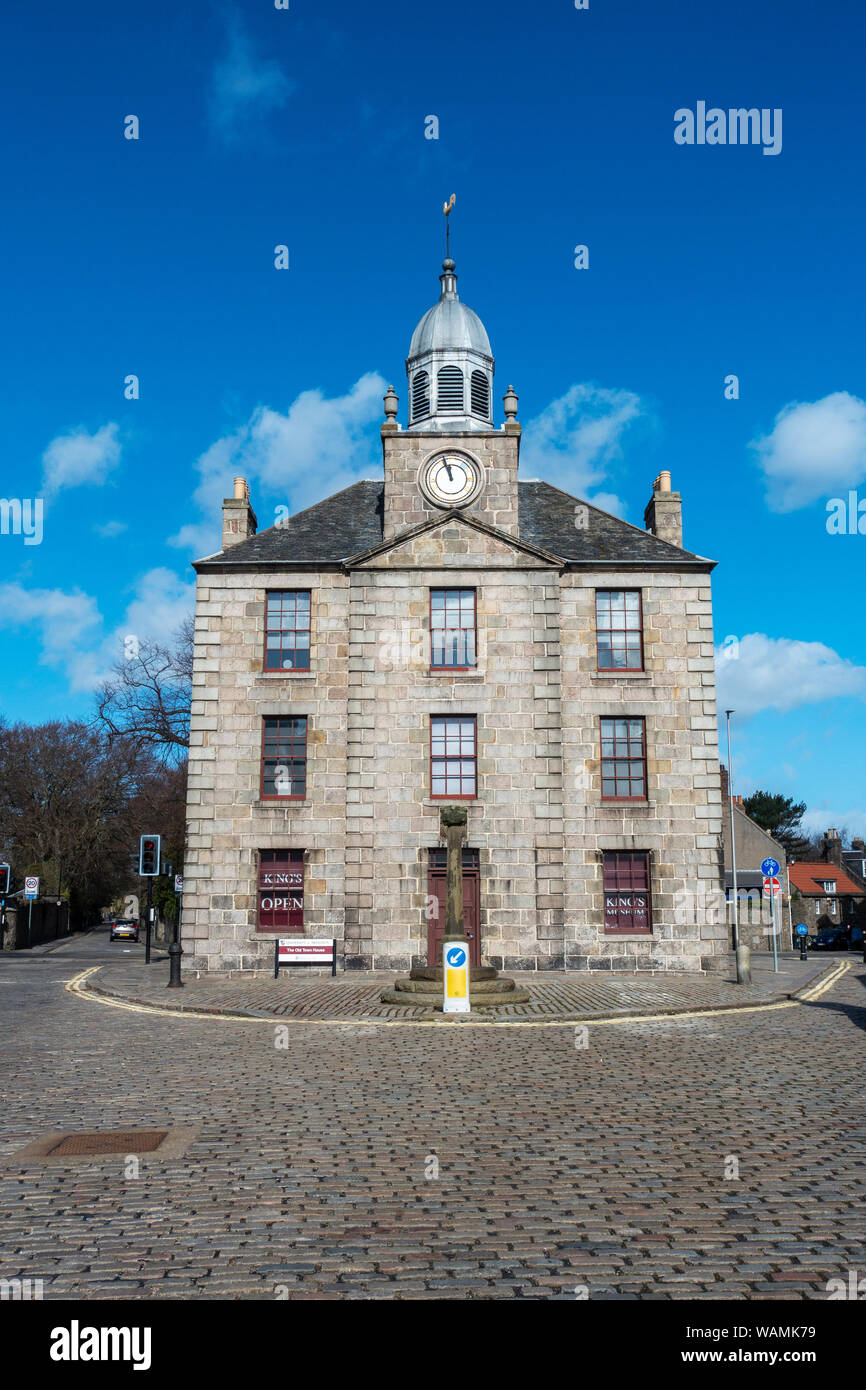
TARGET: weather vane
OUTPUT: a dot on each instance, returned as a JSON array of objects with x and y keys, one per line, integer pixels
[{"x": 446, "y": 208}]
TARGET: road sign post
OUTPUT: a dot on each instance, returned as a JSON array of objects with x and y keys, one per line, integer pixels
[
  {"x": 455, "y": 978},
  {"x": 31, "y": 891},
  {"x": 772, "y": 887}
]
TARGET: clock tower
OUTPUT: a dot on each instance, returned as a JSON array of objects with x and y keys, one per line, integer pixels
[{"x": 451, "y": 456}]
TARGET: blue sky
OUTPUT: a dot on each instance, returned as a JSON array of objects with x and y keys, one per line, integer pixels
[{"x": 306, "y": 127}]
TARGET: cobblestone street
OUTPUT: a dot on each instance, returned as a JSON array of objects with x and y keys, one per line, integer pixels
[
  {"x": 357, "y": 995},
  {"x": 563, "y": 1171}
]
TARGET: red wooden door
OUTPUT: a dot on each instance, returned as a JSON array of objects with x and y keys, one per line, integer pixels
[{"x": 471, "y": 904}]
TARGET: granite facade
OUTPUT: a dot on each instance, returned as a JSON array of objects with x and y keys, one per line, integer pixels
[{"x": 368, "y": 818}]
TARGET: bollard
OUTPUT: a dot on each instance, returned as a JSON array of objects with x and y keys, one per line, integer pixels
[
  {"x": 744, "y": 965},
  {"x": 804, "y": 955},
  {"x": 175, "y": 951}
]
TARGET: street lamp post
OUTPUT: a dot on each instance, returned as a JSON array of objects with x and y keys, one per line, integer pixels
[{"x": 728, "y": 713}]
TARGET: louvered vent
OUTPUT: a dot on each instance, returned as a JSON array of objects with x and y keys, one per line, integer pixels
[
  {"x": 480, "y": 395},
  {"x": 420, "y": 395},
  {"x": 449, "y": 382}
]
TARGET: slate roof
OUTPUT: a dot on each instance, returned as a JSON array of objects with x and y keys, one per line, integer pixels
[
  {"x": 351, "y": 523},
  {"x": 546, "y": 518}
]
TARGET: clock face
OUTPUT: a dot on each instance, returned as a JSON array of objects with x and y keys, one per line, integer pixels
[{"x": 451, "y": 480}]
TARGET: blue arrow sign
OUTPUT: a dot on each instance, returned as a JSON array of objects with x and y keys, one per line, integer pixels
[
  {"x": 455, "y": 956},
  {"x": 769, "y": 867},
  {"x": 801, "y": 929}
]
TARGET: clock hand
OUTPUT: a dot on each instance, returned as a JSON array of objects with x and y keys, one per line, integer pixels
[{"x": 448, "y": 471}]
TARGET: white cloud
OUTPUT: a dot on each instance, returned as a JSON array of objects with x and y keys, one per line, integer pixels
[
  {"x": 814, "y": 821},
  {"x": 609, "y": 502},
  {"x": 814, "y": 450},
  {"x": 198, "y": 538},
  {"x": 244, "y": 87},
  {"x": 78, "y": 457},
  {"x": 576, "y": 438},
  {"x": 319, "y": 446},
  {"x": 67, "y": 624},
  {"x": 69, "y": 629},
  {"x": 779, "y": 673},
  {"x": 109, "y": 529},
  {"x": 162, "y": 601}
]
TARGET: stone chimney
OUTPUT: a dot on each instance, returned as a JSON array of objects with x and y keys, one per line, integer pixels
[
  {"x": 664, "y": 512},
  {"x": 239, "y": 519},
  {"x": 832, "y": 848},
  {"x": 723, "y": 778}
]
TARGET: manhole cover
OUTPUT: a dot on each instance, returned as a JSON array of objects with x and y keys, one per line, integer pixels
[
  {"x": 116, "y": 1141},
  {"x": 66, "y": 1149}
]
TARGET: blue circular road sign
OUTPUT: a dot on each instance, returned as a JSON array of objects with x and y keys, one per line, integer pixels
[
  {"x": 769, "y": 867},
  {"x": 801, "y": 929},
  {"x": 455, "y": 956}
]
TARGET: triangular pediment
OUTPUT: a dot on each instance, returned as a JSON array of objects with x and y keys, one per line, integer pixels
[{"x": 454, "y": 540}]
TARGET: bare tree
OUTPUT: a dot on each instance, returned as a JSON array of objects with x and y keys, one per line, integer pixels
[
  {"x": 73, "y": 804},
  {"x": 65, "y": 798},
  {"x": 147, "y": 698}
]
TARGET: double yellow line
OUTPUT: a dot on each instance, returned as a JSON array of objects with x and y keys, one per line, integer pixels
[{"x": 76, "y": 986}]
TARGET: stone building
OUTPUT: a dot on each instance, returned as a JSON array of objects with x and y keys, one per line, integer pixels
[
  {"x": 833, "y": 887},
  {"x": 449, "y": 633}
]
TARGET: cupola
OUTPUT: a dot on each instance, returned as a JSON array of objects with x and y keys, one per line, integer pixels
[{"x": 450, "y": 366}]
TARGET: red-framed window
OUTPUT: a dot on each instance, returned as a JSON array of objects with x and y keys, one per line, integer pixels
[
  {"x": 287, "y": 630},
  {"x": 284, "y": 758},
  {"x": 453, "y": 765},
  {"x": 627, "y": 894},
  {"x": 623, "y": 760},
  {"x": 619, "y": 629},
  {"x": 280, "y": 895},
  {"x": 452, "y": 629}
]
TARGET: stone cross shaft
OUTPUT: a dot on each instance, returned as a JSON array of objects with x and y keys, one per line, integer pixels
[{"x": 453, "y": 827}]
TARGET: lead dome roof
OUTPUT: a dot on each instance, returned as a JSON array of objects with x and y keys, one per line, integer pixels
[{"x": 450, "y": 325}]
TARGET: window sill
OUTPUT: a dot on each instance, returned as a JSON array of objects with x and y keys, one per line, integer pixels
[
  {"x": 626, "y": 804},
  {"x": 620, "y": 675},
  {"x": 288, "y": 675},
  {"x": 275, "y": 803},
  {"x": 626, "y": 935},
  {"x": 444, "y": 800},
  {"x": 443, "y": 673}
]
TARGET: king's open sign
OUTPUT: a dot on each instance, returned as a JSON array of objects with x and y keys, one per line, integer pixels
[{"x": 281, "y": 895}]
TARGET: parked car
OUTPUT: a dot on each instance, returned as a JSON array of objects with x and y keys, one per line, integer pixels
[
  {"x": 829, "y": 939},
  {"x": 124, "y": 929}
]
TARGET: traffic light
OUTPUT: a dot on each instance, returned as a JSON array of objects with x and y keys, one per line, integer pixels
[
  {"x": 148, "y": 856},
  {"x": 5, "y": 879}
]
